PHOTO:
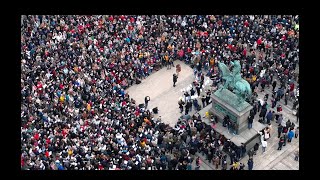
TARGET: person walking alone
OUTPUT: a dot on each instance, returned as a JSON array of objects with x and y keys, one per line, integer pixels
[{"x": 175, "y": 78}]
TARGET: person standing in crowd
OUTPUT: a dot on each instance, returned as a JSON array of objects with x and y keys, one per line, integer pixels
[
  {"x": 203, "y": 99},
  {"x": 286, "y": 98},
  {"x": 187, "y": 108},
  {"x": 208, "y": 96},
  {"x": 274, "y": 84},
  {"x": 280, "y": 129},
  {"x": 263, "y": 113},
  {"x": 250, "y": 164},
  {"x": 296, "y": 155},
  {"x": 243, "y": 150},
  {"x": 290, "y": 135},
  {"x": 279, "y": 108},
  {"x": 255, "y": 148},
  {"x": 146, "y": 100},
  {"x": 224, "y": 163},
  {"x": 288, "y": 124},
  {"x": 269, "y": 117},
  {"x": 250, "y": 121},
  {"x": 264, "y": 144},
  {"x": 280, "y": 119},
  {"x": 242, "y": 166},
  {"x": 216, "y": 162},
  {"x": 296, "y": 133},
  {"x": 181, "y": 105},
  {"x": 281, "y": 141},
  {"x": 285, "y": 137}
]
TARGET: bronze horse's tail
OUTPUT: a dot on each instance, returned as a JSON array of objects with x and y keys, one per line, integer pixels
[{"x": 248, "y": 89}]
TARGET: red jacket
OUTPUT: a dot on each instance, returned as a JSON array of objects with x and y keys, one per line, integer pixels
[
  {"x": 22, "y": 161},
  {"x": 132, "y": 20},
  {"x": 291, "y": 87},
  {"x": 246, "y": 24},
  {"x": 47, "y": 154},
  {"x": 36, "y": 136},
  {"x": 39, "y": 88},
  {"x": 181, "y": 53},
  {"x": 122, "y": 18},
  {"x": 61, "y": 86},
  {"x": 259, "y": 41}
]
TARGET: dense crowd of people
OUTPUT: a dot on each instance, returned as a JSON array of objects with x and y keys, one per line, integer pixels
[{"x": 76, "y": 113}]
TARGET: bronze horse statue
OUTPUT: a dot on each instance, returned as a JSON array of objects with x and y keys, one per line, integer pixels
[{"x": 234, "y": 80}]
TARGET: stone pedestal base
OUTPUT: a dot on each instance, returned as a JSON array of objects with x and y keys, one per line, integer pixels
[
  {"x": 248, "y": 136},
  {"x": 225, "y": 102}
]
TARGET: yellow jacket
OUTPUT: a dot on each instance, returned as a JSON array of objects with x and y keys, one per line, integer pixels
[
  {"x": 88, "y": 107},
  {"x": 254, "y": 78},
  {"x": 166, "y": 57},
  {"x": 70, "y": 152},
  {"x": 61, "y": 98},
  {"x": 211, "y": 62},
  {"x": 143, "y": 144}
]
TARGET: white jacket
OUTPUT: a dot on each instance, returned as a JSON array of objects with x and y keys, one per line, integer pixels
[{"x": 264, "y": 143}]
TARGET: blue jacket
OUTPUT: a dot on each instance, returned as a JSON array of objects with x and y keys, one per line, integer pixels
[
  {"x": 269, "y": 116},
  {"x": 60, "y": 167},
  {"x": 250, "y": 164},
  {"x": 290, "y": 134}
]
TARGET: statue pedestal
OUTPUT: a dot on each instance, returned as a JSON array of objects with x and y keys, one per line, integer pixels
[{"x": 225, "y": 102}]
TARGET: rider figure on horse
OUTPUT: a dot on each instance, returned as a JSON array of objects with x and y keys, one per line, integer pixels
[{"x": 234, "y": 80}]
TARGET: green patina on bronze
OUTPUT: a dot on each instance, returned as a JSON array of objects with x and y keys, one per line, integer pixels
[
  {"x": 234, "y": 81},
  {"x": 225, "y": 112},
  {"x": 231, "y": 99}
]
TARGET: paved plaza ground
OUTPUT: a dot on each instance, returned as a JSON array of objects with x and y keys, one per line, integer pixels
[{"x": 159, "y": 86}]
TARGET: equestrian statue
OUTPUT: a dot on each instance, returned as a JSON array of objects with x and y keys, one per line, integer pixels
[{"x": 234, "y": 80}]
